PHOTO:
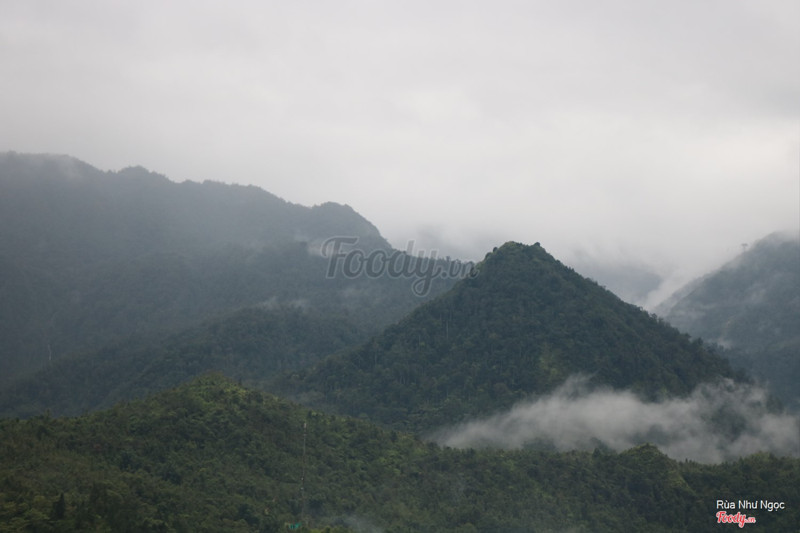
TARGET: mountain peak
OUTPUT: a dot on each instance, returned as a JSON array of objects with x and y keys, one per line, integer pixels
[
  {"x": 520, "y": 327},
  {"x": 511, "y": 252}
]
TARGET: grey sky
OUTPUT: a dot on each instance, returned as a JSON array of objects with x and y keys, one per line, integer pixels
[{"x": 661, "y": 132}]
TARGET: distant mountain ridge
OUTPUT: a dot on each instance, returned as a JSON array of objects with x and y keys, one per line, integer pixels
[
  {"x": 89, "y": 257},
  {"x": 521, "y": 326},
  {"x": 751, "y": 306},
  {"x": 144, "y": 211}
]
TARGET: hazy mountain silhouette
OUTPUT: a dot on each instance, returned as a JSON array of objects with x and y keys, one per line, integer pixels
[
  {"x": 751, "y": 306},
  {"x": 88, "y": 257}
]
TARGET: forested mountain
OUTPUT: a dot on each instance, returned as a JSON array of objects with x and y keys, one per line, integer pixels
[
  {"x": 252, "y": 345},
  {"x": 751, "y": 306},
  {"x": 521, "y": 326},
  {"x": 212, "y": 456},
  {"x": 90, "y": 257},
  {"x": 119, "y": 285}
]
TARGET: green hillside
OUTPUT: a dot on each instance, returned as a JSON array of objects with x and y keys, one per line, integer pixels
[
  {"x": 252, "y": 345},
  {"x": 521, "y": 326},
  {"x": 212, "y": 456},
  {"x": 751, "y": 306},
  {"x": 88, "y": 258}
]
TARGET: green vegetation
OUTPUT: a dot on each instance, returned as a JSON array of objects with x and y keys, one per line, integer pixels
[
  {"x": 520, "y": 327},
  {"x": 751, "y": 307},
  {"x": 252, "y": 345},
  {"x": 213, "y": 456},
  {"x": 116, "y": 286},
  {"x": 88, "y": 258}
]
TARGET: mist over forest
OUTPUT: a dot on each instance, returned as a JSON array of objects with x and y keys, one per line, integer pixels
[
  {"x": 155, "y": 326},
  {"x": 714, "y": 424},
  {"x": 389, "y": 267}
]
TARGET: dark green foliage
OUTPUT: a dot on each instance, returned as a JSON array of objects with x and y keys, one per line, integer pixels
[
  {"x": 520, "y": 327},
  {"x": 251, "y": 345},
  {"x": 124, "y": 260},
  {"x": 211, "y": 456}
]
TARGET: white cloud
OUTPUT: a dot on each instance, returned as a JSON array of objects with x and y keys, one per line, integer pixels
[{"x": 716, "y": 423}]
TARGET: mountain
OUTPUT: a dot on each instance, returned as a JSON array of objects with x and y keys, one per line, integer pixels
[
  {"x": 251, "y": 345},
  {"x": 750, "y": 306},
  {"x": 63, "y": 206},
  {"x": 520, "y": 327},
  {"x": 213, "y": 456},
  {"x": 88, "y": 258}
]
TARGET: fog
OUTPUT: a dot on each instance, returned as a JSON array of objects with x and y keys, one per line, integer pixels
[
  {"x": 715, "y": 423},
  {"x": 656, "y": 134}
]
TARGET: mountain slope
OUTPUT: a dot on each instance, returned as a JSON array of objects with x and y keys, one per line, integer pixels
[
  {"x": 752, "y": 307},
  {"x": 251, "y": 345},
  {"x": 62, "y": 205},
  {"x": 90, "y": 257},
  {"x": 211, "y": 456},
  {"x": 521, "y": 326}
]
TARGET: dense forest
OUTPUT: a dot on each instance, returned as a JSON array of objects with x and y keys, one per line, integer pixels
[
  {"x": 253, "y": 345},
  {"x": 213, "y": 456},
  {"x": 521, "y": 326},
  {"x": 190, "y": 357}
]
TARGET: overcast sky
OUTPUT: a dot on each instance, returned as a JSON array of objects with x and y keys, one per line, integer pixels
[{"x": 661, "y": 132}]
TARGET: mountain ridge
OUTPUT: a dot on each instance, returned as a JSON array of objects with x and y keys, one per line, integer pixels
[
  {"x": 751, "y": 307},
  {"x": 90, "y": 257},
  {"x": 521, "y": 326}
]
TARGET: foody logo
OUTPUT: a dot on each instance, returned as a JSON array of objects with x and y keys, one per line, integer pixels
[
  {"x": 741, "y": 519},
  {"x": 346, "y": 260}
]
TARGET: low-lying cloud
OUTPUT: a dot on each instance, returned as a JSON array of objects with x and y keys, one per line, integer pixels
[{"x": 715, "y": 423}]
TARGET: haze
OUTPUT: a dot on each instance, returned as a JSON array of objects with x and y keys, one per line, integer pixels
[
  {"x": 716, "y": 423},
  {"x": 656, "y": 135}
]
